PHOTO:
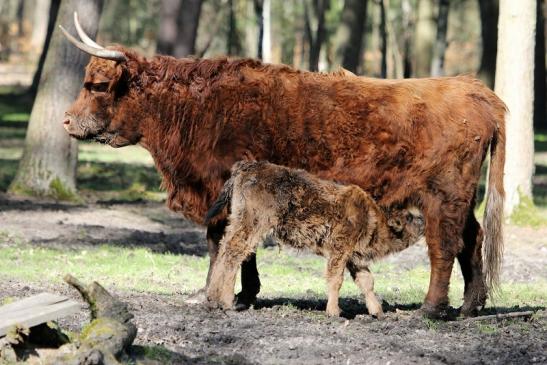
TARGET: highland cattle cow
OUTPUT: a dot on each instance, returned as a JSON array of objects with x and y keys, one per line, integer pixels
[
  {"x": 297, "y": 209},
  {"x": 414, "y": 142}
]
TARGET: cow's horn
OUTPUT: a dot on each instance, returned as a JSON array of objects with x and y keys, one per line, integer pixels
[
  {"x": 101, "y": 53},
  {"x": 83, "y": 36}
]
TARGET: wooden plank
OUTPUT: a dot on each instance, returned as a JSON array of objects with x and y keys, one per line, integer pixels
[
  {"x": 37, "y": 313},
  {"x": 33, "y": 301}
]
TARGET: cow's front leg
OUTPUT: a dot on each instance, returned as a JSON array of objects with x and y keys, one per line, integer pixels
[{"x": 250, "y": 283}]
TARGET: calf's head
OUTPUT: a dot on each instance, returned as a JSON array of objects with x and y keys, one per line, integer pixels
[
  {"x": 100, "y": 113},
  {"x": 407, "y": 223}
]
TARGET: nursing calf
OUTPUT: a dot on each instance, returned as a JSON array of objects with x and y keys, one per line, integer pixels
[{"x": 339, "y": 222}]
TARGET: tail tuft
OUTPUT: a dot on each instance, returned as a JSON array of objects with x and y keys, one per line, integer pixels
[{"x": 493, "y": 214}]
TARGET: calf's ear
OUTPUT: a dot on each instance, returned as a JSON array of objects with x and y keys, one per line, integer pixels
[{"x": 395, "y": 224}]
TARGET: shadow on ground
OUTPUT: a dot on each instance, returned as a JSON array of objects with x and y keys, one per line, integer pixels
[{"x": 352, "y": 307}]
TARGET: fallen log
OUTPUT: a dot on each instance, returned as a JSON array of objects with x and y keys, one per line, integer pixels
[
  {"x": 108, "y": 336},
  {"x": 104, "y": 341}
]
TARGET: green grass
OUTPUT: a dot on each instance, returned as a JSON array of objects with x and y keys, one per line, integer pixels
[{"x": 283, "y": 274}]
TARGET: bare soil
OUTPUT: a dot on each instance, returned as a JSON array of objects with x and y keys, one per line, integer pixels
[{"x": 272, "y": 332}]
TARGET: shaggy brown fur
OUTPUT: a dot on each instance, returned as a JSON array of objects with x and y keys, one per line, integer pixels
[
  {"x": 416, "y": 141},
  {"x": 341, "y": 223}
]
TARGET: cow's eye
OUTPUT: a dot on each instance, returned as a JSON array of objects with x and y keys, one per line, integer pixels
[{"x": 99, "y": 87}]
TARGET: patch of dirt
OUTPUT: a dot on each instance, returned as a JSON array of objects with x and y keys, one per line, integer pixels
[{"x": 274, "y": 333}]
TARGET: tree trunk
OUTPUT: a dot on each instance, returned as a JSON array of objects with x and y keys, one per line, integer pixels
[
  {"x": 315, "y": 29},
  {"x": 350, "y": 32},
  {"x": 167, "y": 33},
  {"x": 266, "y": 35},
  {"x": 540, "y": 114},
  {"x": 489, "y": 11},
  {"x": 53, "y": 10},
  {"x": 437, "y": 64},
  {"x": 408, "y": 26},
  {"x": 258, "y": 6},
  {"x": 40, "y": 25},
  {"x": 233, "y": 44},
  {"x": 188, "y": 23},
  {"x": 48, "y": 165},
  {"x": 515, "y": 85},
  {"x": 425, "y": 35},
  {"x": 383, "y": 38}
]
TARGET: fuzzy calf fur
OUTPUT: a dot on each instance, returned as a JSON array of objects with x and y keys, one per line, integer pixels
[{"x": 341, "y": 223}]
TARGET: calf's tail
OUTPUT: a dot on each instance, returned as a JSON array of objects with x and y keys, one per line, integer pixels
[
  {"x": 493, "y": 214},
  {"x": 222, "y": 201}
]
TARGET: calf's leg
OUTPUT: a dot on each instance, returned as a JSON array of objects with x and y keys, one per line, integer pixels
[
  {"x": 365, "y": 281},
  {"x": 234, "y": 248},
  {"x": 250, "y": 282},
  {"x": 214, "y": 235},
  {"x": 335, "y": 277},
  {"x": 470, "y": 259}
]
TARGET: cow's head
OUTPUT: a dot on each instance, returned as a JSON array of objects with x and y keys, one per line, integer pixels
[{"x": 98, "y": 112}]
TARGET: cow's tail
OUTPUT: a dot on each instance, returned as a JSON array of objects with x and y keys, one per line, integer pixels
[
  {"x": 493, "y": 214},
  {"x": 222, "y": 201}
]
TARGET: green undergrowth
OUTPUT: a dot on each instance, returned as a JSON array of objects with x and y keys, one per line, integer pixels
[
  {"x": 283, "y": 274},
  {"x": 528, "y": 214}
]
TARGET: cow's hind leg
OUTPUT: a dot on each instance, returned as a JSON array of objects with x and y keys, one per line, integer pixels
[
  {"x": 365, "y": 281},
  {"x": 444, "y": 228},
  {"x": 470, "y": 259}
]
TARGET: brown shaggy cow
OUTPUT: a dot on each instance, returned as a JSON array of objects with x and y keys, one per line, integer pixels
[
  {"x": 413, "y": 142},
  {"x": 342, "y": 223}
]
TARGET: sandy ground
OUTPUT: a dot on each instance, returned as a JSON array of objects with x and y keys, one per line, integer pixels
[{"x": 272, "y": 333}]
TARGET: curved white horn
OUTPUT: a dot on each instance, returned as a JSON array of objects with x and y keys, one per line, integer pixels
[
  {"x": 83, "y": 36},
  {"x": 101, "y": 53}
]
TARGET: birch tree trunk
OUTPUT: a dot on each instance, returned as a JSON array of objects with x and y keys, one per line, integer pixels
[
  {"x": 540, "y": 115},
  {"x": 266, "y": 40},
  {"x": 515, "y": 86},
  {"x": 48, "y": 165}
]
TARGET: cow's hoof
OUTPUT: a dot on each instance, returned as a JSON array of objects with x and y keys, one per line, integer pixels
[
  {"x": 470, "y": 311},
  {"x": 244, "y": 301},
  {"x": 434, "y": 311},
  {"x": 199, "y": 297}
]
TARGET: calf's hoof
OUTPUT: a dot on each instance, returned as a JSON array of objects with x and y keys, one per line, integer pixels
[
  {"x": 199, "y": 297},
  {"x": 333, "y": 312}
]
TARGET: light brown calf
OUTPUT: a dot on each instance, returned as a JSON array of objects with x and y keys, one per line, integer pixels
[{"x": 341, "y": 223}]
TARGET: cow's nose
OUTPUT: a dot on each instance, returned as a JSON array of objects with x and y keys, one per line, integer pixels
[{"x": 66, "y": 122}]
